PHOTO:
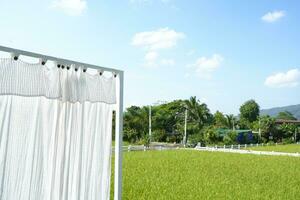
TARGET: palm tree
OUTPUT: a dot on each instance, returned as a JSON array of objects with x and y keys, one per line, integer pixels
[
  {"x": 231, "y": 121},
  {"x": 136, "y": 118},
  {"x": 198, "y": 113}
]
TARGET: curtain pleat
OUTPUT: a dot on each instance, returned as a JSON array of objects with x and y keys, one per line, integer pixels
[
  {"x": 55, "y": 138},
  {"x": 25, "y": 79}
]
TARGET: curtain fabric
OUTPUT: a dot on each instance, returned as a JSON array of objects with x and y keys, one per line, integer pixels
[{"x": 55, "y": 133}]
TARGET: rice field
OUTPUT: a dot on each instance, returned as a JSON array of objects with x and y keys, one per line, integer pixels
[
  {"x": 291, "y": 148},
  {"x": 189, "y": 174}
]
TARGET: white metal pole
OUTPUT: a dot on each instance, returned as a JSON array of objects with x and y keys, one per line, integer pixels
[
  {"x": 119, "y": 139},
  {"x": 185, "y": 124},
  {"x": 19, "y": 52},
  {"x": 233, "y": 124},
  {"x": 259, "y": 130},
  {"x": 150, "y": 125},
  {"x": 296, "y": 135}
]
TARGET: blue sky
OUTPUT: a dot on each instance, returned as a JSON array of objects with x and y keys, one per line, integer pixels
[{"x": 224, "y": 52}]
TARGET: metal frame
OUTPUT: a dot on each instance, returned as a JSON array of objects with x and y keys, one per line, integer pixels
[{"x": 119, "y": 106}]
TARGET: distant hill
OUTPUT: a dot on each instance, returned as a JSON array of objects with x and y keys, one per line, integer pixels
[{"x": 294, "y": 109}]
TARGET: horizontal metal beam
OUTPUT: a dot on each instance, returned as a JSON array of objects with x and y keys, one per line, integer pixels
[{"x": 58, "y": 60}]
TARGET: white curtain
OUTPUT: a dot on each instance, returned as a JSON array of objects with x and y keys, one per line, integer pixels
[{"x": 55, "y": 133}]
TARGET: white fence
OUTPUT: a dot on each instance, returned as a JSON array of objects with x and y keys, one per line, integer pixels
[
  {"x": 243, "y": 151},
  {"x": 144, "y": 148},
  {"x": 240, "y": 146},
  {"x": 227, "y": 148}
]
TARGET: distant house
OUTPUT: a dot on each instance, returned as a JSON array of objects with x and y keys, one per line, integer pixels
[
  {"x": 243, "y": 136},
  {"x": 286, "y": 121}
]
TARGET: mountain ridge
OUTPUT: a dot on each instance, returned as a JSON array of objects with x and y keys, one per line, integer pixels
[{"x": 294, "y": 109}]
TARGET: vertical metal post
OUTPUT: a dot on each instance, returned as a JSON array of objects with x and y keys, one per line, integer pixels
[
  {"x": 259, "y": 130},
  {"x": 295, "y": 134},
  {"x": 150, "y": 125},
  {"x": 185, "y": 125},
  {"x": 119, "y": 139}
]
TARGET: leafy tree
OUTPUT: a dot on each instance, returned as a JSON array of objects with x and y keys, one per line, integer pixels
[
  {"x": 195, "y": 138},
  {"x": 230, "y": 138},
  {"x": 130, "y": 135},
  {"x": 146, "y": 140},
  {"x": 231, "y": 121},
  {"x": 169, "y": 117},
  {"x": 198, "y": 114},
  {"x": 211, "y": 135},
  {"x": 286, "y": 115},
  {"x": 268, "y": 128},
  {"x": 136, "y": 121},
  {"x": 249, "y": 112},
  {"x": 220, "y": 121},
  {"x": 159, "y": 135},
  {"x": 288, "y": 130}
]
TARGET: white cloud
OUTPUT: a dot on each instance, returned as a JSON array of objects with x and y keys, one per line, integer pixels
[
  {"x": 191, "y": 52},
  {"x": 167, "y": 62},
  {"x": 139, "y": 1},
  {"x": 163, "y": 38},
  {"x": 148, "y": 1},
  {"x": 151, "y": 59},
  {"x": 205, "y": 66},
  {"x": 151, "y": 56},
  {"x": 273, "y": 16},
  {"x": 70, "y": 7},
  {"x": 290, "y": 78}
]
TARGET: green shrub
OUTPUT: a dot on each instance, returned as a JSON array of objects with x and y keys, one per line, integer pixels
[
  {"x": 159, "y": 135},
  {"x": 287, "y": 141},
  {"x": 130, "y": 135},
  {"x": 230, "y": 138},
  {"x": 195, "y": 138},
  {"x": 211, "y": 135}
]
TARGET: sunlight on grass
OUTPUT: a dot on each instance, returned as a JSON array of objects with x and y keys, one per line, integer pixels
[
  {"x": 188, "y": 174},
  {"x": 290, "y": 148}
]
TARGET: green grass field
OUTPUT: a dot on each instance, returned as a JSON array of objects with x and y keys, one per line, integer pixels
[
  {"x": 188, "y": 174},
  {"x": 291, "y": 148}
]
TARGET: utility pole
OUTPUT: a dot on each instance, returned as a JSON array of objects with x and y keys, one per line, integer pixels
[
  {"x": 296, "y": 130},
  {"x": 233, "y": 124},
  {"x": 150, "y": 131},
  {"x": 185, "y": 124},
  {"x": 259, "y": 130}
]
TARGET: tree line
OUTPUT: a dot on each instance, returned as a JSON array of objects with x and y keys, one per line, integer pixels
[{"x": 202, "y": 126}]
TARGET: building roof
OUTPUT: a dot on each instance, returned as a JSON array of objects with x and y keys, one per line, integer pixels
[{"x": 282, "y": 121}]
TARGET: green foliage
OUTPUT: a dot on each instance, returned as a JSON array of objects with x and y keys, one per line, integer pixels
[
  {"x": 288, "y": 130},
  {"x": 244, "y": 124},
  {"x": 190, "y": 175},
  {"x": 172, "y": 139},
  {"x": 168, "y": 123},
  {"x": 167, "y": 120},
  {"x": 220, "y": 121},
  {"x": 169, "y": 117},
  {"x": 230, "y": 138},
  {"x": 146, "y": 140},
  {"x": 130, "y": 135},
  {"x": 211, "y": 135},
  {"x": 231, "y": 121},
  {"x": 268, "y": 128},
  {"x": 285, "y": 115},
  {"x": 198, "y": 114},
  {"x": 287, "y": 141},
  {"x": 136, "y": 119},
  {"x": 249, "y": 111},
  {"x": 195, "y": 138},
  {"x": 159, "y": 135}
]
